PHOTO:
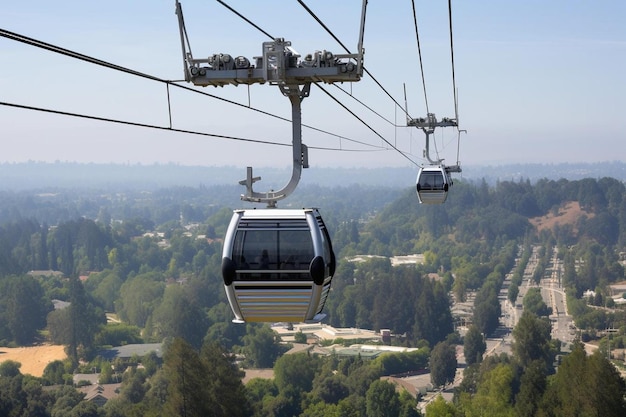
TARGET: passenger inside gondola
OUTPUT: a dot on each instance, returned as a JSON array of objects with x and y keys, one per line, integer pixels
[{"x": 264, "y": 260}]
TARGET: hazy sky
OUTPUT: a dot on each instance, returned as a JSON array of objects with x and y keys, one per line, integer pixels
[{"x": 538, "y": 81}]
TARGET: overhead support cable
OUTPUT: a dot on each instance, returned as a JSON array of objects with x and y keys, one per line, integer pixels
[
  {"x": 185, "y": 131},
  {"x": 72, "y": 54},
  {"x": 136, "y": 124},
  {"x": 455, "y": 91},
  {"x": 246, "y": 19},
  {"x": 328, "y": 93},
  {"x": 419, "y": 52},
  {"x": 456, "y": 104},
  {"x": 92, "y": 60},
  {"x": 367, "y": 107},
  {"x": 57, "y": 49},
  {"x": 404, "y": 154},
  {"x": 317, "y": 19}
]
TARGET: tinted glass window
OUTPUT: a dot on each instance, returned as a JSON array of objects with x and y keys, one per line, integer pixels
[
  {"x": 258, "y": 251},
  {"x": 431, "y": 180}
]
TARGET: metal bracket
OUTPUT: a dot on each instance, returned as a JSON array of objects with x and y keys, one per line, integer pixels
[
  {"x": 299, "y": 152},
  {"x": 428, "y": 125}
]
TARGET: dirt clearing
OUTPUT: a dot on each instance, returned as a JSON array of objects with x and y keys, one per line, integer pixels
[
  {"x": 33, "y": 359},
  {"x": 568, "y": 214}
]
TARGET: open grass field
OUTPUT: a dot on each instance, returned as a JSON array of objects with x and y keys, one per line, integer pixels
[{"x": 33, "y": 359}]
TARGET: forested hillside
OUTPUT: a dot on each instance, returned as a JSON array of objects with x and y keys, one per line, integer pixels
[
  {"x": 174, "y": 234},
  {"x": 484, "y": 214},
  {"x": 153, "y": 259}
]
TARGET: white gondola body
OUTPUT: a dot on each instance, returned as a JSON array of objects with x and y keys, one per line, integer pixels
[
  {"x": 432, "y": 184},
  {"x": 277, "y": 265}
]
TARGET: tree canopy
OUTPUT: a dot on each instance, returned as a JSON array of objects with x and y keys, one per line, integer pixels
[{"x": 152, "y": 261}]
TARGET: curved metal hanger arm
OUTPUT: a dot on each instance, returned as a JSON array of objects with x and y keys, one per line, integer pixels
[{"x": 299, "y": 151}]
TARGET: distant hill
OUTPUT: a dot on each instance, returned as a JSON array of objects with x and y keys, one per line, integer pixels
[
  {"x": 534, "y": 172},
  {"x": 42, "y": 175}
]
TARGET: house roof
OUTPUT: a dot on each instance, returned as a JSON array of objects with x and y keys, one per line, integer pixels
[{"x": 100, "y": 393}]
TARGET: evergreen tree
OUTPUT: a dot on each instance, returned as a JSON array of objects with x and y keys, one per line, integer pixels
[
  {"x": 440, "y": 408},
  {"x": 177, "y": 316},
  {"x": 41, "y": 260},
  {"x": 206, "y": 384},
  {"x": 261, "y": 346},
  {"x": 433, "y": 319},
  {"x": 443, "y": 364},
  {"x": 532, "y": 340},
  {"x": 85, "y": 320},
  {"x": 532, "y": 387},
  {"x": 26, "y": 309},
  {"x": 474, "y": 346},
  {"x": 139, "y": 296},
  {"x": 226, "y": 391},
  {"x": 533, "y": 303},
  {"x": 609, "y": 393},
  {"x": 585, "y": 386},
  {"x": 187, "y": 390},
  {"x": 487, "y": 309},
  {"x": 382, "y": 400},
  {"x": 568, "y": 395},
  {"x": 60, "y": 326},
  {"x": 493, "y": 396}
]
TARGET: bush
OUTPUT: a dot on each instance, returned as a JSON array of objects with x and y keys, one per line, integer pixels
[{"x": 299, "y": 337}]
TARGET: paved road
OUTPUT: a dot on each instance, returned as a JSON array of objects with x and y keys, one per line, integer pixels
[
  {"x": 553, "y": 295},
  {"x": 501, "y": 341}
]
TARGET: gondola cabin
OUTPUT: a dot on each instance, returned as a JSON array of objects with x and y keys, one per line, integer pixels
[
  {"x": 277, "y": 265},
  {"x": 432, "y": 185}
]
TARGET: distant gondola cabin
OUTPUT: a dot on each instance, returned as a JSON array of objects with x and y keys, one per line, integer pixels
[{"x": 433, "y": 183}]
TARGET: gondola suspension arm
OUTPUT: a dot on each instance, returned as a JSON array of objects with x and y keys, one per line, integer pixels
[
  {"x": 300, "y": 151},
  {"x": 427, "y": 149},
  {"x": 428, "y": 125},
  {"x": 282, "y": 66}
]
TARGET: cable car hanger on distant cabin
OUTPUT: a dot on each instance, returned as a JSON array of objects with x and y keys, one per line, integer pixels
[{"x": 433, "y": 181}]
